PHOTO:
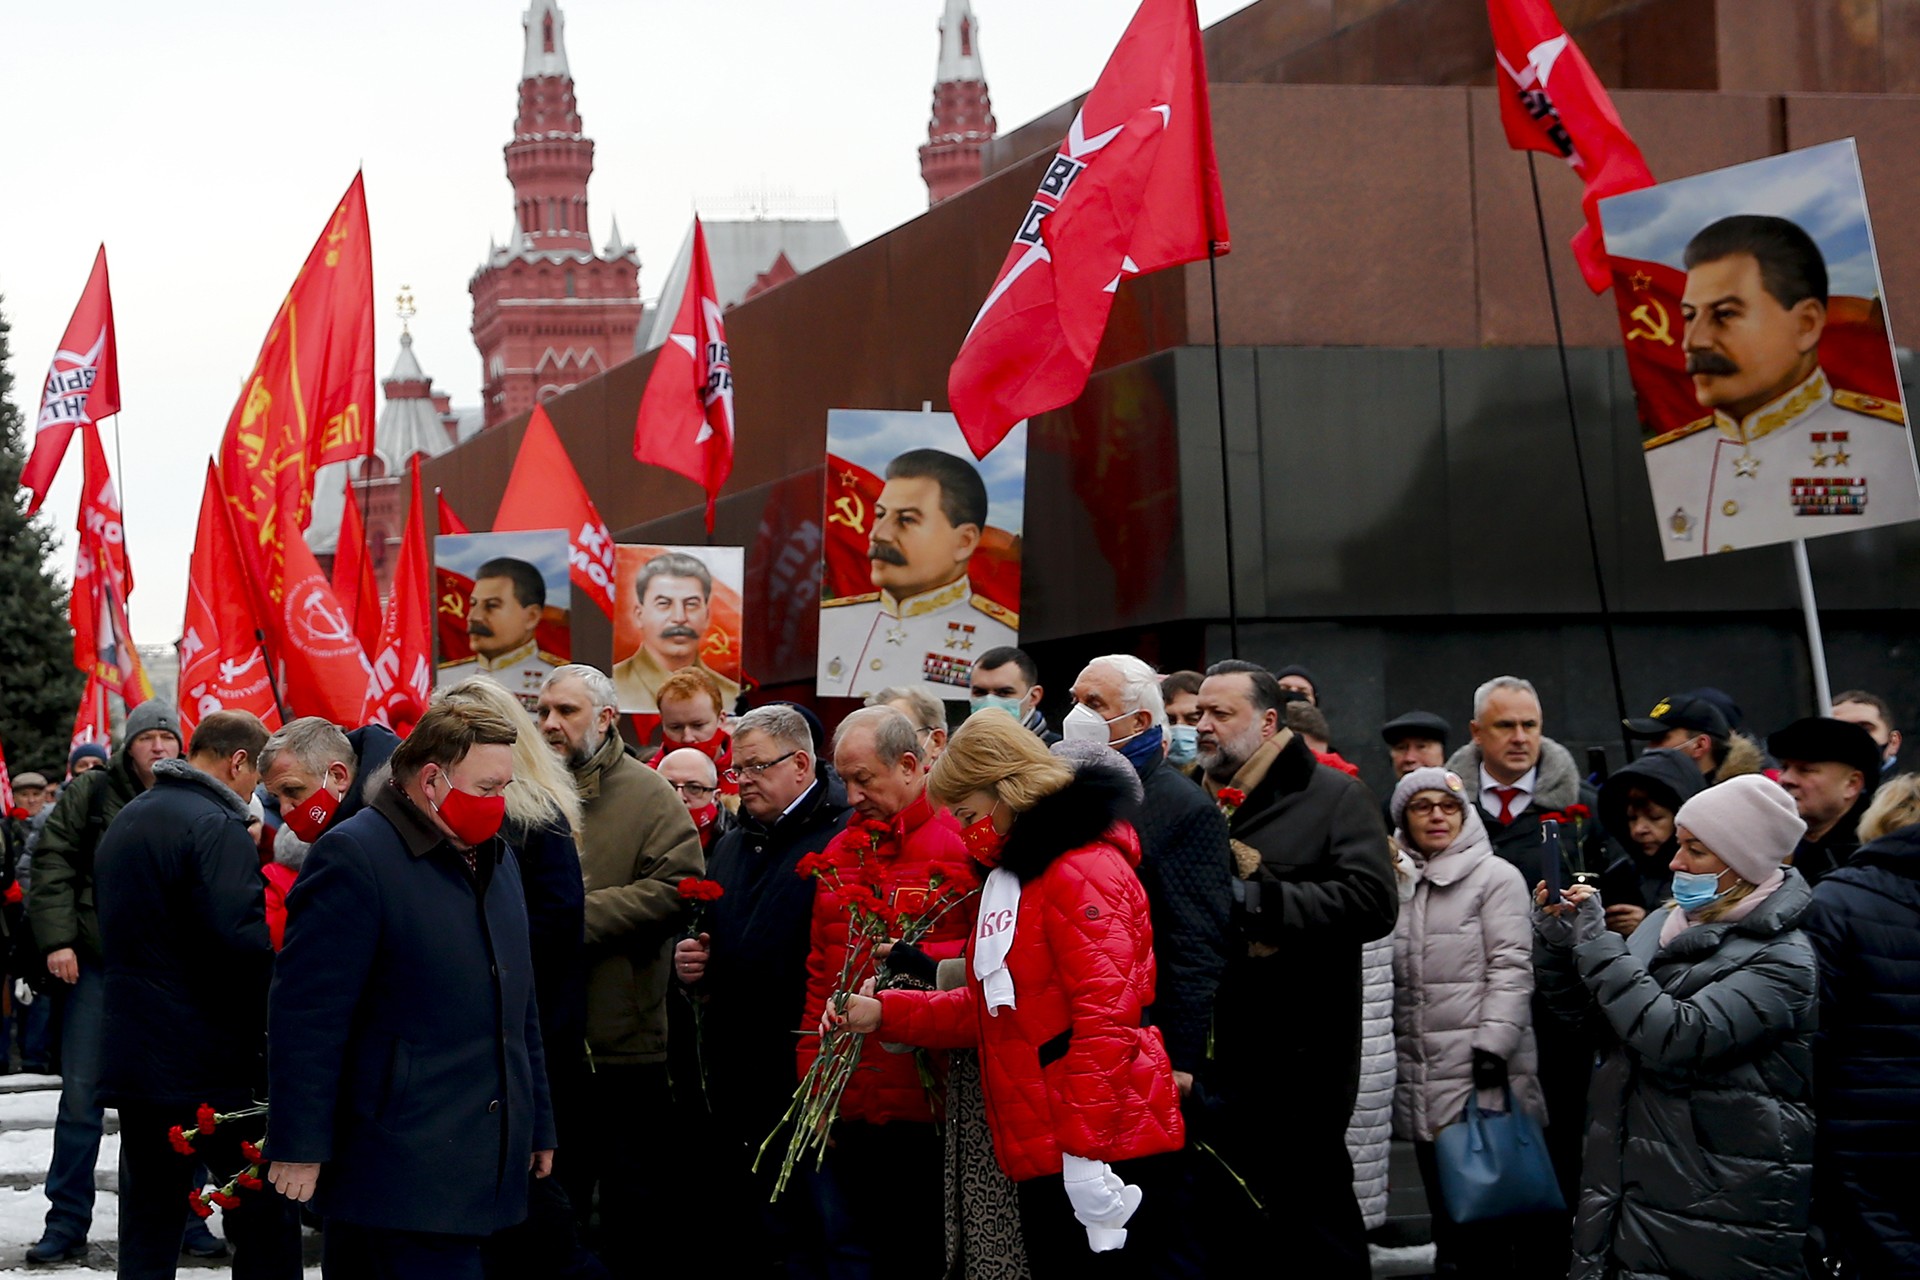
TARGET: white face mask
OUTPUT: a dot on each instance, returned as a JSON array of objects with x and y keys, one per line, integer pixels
[{"x": 1083, "y": 724}]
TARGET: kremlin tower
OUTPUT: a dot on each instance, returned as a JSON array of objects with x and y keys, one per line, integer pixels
[
  {"x": 548, "y": 311},
  {"x": 951, "y": 159}
]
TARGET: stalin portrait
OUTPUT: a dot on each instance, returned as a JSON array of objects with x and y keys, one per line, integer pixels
[
  {"x": 503, "y": 619},
  {"x": 923, "y": 624},
  {"x": 1783, "y": 451},
  {"x": 673, "y": 607}
]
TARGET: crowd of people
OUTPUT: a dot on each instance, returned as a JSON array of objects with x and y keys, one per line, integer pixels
[{"x": 1147, "y": 995}]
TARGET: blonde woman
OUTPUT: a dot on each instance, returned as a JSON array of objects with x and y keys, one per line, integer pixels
[
  {"x": 1059, "y": 967},
  {"x": 1865, "y": 923},
  {"x": 1699, "y": 1148},
  {"x": 543, "y": 824}
]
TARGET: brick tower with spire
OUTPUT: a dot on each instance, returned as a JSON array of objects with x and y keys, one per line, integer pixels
[
  {"x": 548, "y": 312},
  {"x": 952, "y": 158}
]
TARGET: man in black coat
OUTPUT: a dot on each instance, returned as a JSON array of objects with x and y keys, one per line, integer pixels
[
  {"x": 1316, "y": 883},
  {"x": 1187, "y": 871},
  {"x": 750, "y": 966},
  {"x": 1865, "y": 923},
  {"x": 187, "y": 960},
  {"x": 409, "y": 1089},
  {"x": 319, "y": 774}
]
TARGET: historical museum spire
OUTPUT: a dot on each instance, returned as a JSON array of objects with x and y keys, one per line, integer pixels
[{"x": 952, "y": 158}]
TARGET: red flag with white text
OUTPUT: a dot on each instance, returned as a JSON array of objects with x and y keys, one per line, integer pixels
[
  {"x": 222, "y": 666},
  {"x": 1551, "y": 101},
  {"x": 1133, "y": 189},
  {"x": 308, "y": 402},
  {"x": 402, "y": 679},
  {"x": 353, "y": 581},
  {"x": 97, "y": 605},
  {"x": 685, "y": 423},
  {"x": 545, "y": 492},
  {"x": 82, "y": 386}
]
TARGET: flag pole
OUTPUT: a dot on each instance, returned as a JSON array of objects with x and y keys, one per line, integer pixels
[
  {"x": 1226, "y": 467},
  {"x": 1816, "y": 644},
  {"x": 1579, "y": 461}
]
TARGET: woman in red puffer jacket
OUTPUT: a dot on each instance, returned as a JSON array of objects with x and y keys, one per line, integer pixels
[{"x": 1059, "y": 967}]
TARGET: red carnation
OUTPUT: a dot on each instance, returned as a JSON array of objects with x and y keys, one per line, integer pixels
[
  {"x": 1555, "y": 816},
  {"x": 813, "y": 864},
  {"x": 1232, "y": 796},
  {"x": 694, "y": 889},
  {"x": 253, "y": 1154},
  {"x": 224, "y": 1200},
  {"x": 198, "y": 1206},
  {"x": 177, "y": 1138},
  {"x": 205, "y": 1118},
  {"x": 247, "y": 1180},
  {"x": 1579, "y": 811}
]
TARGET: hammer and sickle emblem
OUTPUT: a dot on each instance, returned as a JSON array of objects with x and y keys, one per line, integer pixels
[
  {"x": 450, "y": 602},
  {"x": 849, "y": 511},
  {"x": 718, "y": 644},
  {"x": 1657, "y": 324}
]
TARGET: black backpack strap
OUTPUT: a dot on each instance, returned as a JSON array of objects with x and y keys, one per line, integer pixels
[{"x": 95, "y": 825}]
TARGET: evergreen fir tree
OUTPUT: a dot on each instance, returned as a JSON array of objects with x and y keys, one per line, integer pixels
[{"x": 39, "y": 687}]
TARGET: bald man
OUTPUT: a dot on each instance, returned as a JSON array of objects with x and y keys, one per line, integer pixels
[{"x": 695, "y": 780}]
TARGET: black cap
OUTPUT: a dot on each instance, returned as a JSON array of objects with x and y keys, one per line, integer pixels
[
  {"x": 1721, "y": 699},
  {"x": 1416, "y": 724},
  {"x": 1682, "y": 711},
  {"x": 1297, "y": 670},
  {"x": 1821, "y": 738}
]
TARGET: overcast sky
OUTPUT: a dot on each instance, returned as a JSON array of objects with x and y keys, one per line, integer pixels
[{"x": 206, "y": 143}]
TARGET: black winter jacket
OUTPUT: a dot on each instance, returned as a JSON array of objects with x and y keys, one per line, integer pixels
[
  {"x": 1865, "y": 923},
  {"x": 556, "y": 924},
  {"x": 1187, "y": 871},
  {"x": 183, "y": 924},
  {"x": 756, "y": 981},
  {"x": 1669, "y": 778},
  {"x": 372, "y": 746},
  {"x": 405, "y": 1055},
  {"x": 1287, "y": 1020},
  {"x": 60, "y": 897}
]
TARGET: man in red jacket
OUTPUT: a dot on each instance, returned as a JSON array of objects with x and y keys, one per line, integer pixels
[{"x": 886, "y": 1165}]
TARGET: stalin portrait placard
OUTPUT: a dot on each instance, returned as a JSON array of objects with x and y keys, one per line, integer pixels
[
  {"x": 922, "y": 551},
  {"x": 1761, "y": 355},
  {"x": 517, "y": 599},
  {"x": 675, "y": 609}
]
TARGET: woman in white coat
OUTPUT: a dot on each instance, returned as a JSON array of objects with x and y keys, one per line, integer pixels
[{"x": 1463, "y": 989}]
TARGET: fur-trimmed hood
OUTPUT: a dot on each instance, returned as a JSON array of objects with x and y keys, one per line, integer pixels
[
  {"x": 1556, "y": 783},
  {"x": 1084, "y": 811},
  {"x": 1743, "y": 757}
]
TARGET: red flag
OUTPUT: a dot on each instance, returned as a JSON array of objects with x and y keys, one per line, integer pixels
[
  {"x": 353, "y": 581},
  {"x": 449, "y": 522},
  {"x": 97, "y": 605},
  {"x": 1133, "y": 189},
  {"x": 222, "y": 664},
  {"x": 308, "y": 402},
  {"x": 402, "y": 679},
  {"x": 544, "y": 492},
  {"x": 83, "y": 383},
  {"x": 685, "y": 422},
  {"x": 1551, "y": 101},
  {"x": 92, "y": 723}
]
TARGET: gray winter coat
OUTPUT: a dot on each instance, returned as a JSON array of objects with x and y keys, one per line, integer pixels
[
  {"x": 1700, "y": 1126},
  {"x": 1462, "y": 980},
  {"x": 1368, "y": 1132}
]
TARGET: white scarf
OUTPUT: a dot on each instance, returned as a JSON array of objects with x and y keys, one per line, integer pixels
[{"x": 993, "y": 938}]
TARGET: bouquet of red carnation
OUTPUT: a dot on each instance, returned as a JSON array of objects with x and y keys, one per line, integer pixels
[
  {"x": 1228, "y": 799},
  {"x": 203, "y": 1200},
  {"x": 871, "y": 922},
  {"x": 699, "y": 895}
]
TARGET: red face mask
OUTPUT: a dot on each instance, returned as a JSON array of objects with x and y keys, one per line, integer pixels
[
  {"x": 703, "y": 816},
  {"x": 713, "y": 748},
  {"x": 983, "y": 842},
  {"x": 473, "y": 819},
  {"x": 310, "y": 817}
]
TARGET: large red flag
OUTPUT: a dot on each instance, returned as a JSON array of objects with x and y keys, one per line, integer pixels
[
  {"x": 685, "y": 422},
  {"x": 402, "y": 679},
  {"x": 1134, "y": 188},
  {"x": 449, "y": 521},
  {"x": 102, "y": 638},
  {"x": 308, "y": 402},
  {"x": 83, "y": 383},
  {"x": 1551, "y": 101},
  {"x": 544, "y": 492},
  {"x": 353, "y": 581},
  {"x": 222, "y": 664}
]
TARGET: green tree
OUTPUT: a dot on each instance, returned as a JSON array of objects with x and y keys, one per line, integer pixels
[{"x": 39, "y": 687}]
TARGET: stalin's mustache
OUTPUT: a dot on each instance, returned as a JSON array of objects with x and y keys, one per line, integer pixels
[
  {"x": 886, "y": 553},
  {"x": 679, "y": 631},
  {"x": 479, "y": 629},
  {"x": 1710, "y": 362}
]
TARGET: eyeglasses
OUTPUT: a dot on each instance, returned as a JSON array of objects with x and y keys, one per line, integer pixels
[
  {"x": 694, "y": 789},
  {"x": 740, "y": 772},
  {"x": 929, "y": 728},
  {"x": 1447, "y": 805}
]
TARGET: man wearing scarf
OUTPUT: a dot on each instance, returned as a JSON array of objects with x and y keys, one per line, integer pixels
[
  {"x": 693, "y": 718},
  {"x": 1187, "y": 870}
]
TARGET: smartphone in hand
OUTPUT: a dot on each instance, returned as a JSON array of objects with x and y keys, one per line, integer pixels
[{"x": 1550, "y": 858}]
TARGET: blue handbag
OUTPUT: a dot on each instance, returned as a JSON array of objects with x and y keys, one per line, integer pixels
[{"x": 1493, "y": 1164}]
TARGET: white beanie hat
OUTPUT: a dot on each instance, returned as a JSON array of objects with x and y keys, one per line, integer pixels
[{"x": 1749, "y": 822}]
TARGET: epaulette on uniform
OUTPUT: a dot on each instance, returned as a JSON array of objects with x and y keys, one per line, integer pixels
[
  {"x": 1872, "y": 406},
  {"x": 836, "y": 602},
  {"x": 1678, "y": 433},
  {"x": 998, "y": 612}
]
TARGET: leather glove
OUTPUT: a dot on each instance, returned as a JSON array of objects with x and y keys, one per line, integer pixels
[
  {"x": 1489, "y": 1070},
  {"x": 1590, "y": 921},
  {"x": 1102, "y": 1203},
  {"x": 908, "y": 966}
]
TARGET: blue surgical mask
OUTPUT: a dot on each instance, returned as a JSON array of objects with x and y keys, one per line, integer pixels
[
  {"x": 1183, "y": 744},
  {"x": 1009, "y": 705},
  {"x": 1693, "y": 890}
]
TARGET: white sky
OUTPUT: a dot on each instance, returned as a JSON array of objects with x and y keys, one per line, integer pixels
[{"x": 206, "y": 143}]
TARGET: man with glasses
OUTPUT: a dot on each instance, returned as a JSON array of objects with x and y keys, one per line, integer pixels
[
  {"x": 694, "y": 779},
  {"x": 637, "y": 843},
  {"x": 750, "y": 967}
]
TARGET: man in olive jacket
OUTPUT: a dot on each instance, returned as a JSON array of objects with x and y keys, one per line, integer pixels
[{"x": 637, "y": 843}]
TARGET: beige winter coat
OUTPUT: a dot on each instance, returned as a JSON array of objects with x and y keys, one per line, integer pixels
[{"x": 1462, "y": 980}]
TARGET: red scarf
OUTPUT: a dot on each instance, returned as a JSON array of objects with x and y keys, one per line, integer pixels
[{"x": 718, "y": 748}]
